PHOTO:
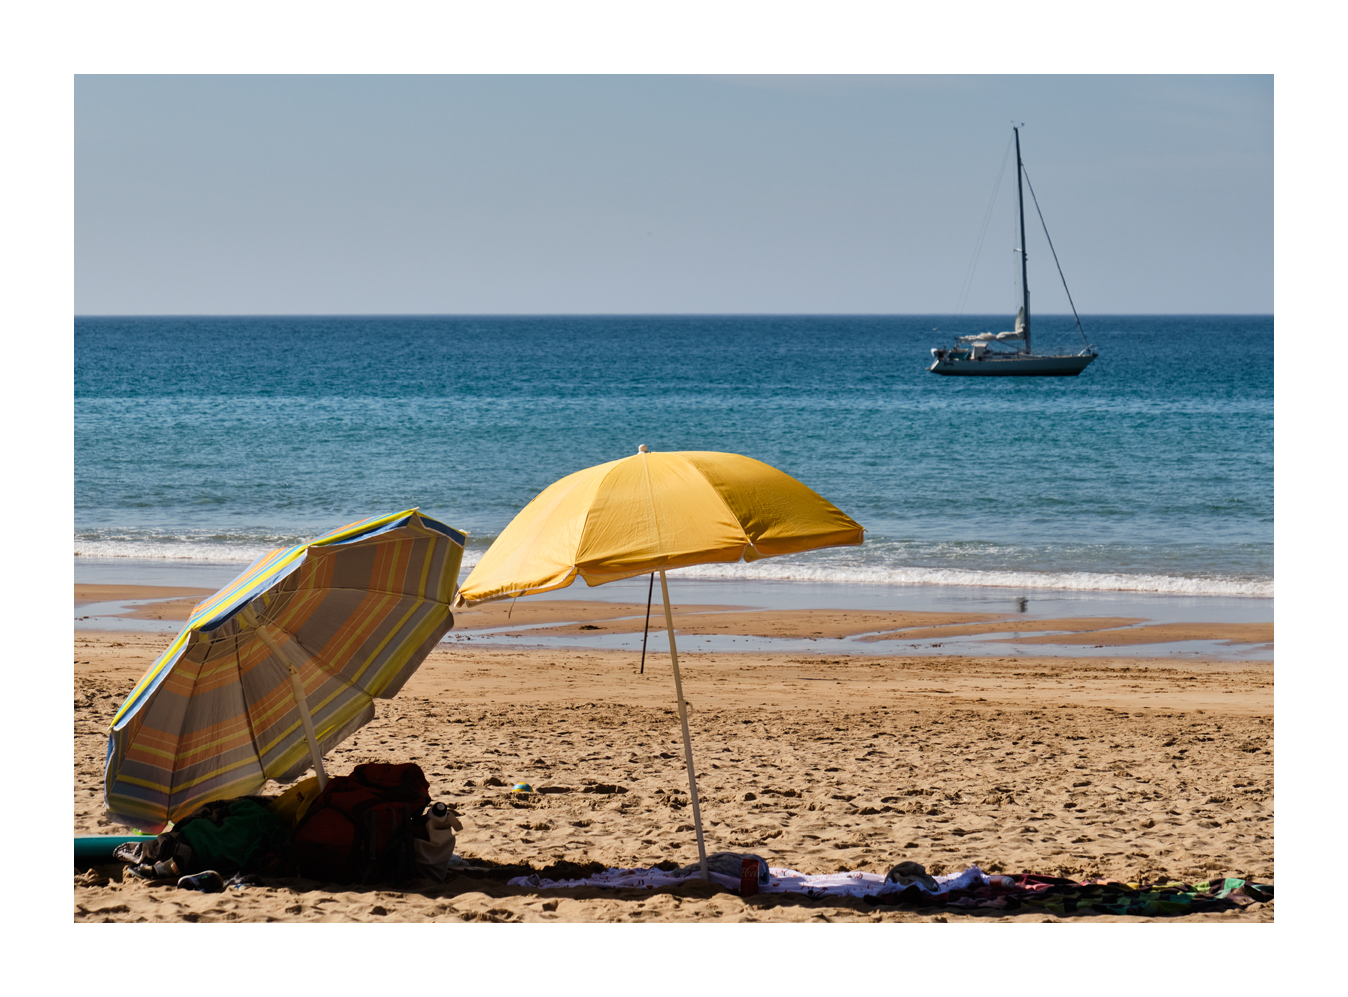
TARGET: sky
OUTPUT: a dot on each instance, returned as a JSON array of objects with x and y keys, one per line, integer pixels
[{"x": 668, "y": 194}]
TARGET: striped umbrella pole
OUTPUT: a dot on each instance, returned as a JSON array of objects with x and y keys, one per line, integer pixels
[{"x": 285, "y": 652}]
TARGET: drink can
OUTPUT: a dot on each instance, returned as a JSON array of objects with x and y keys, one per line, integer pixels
[{"x": 748, "y": 877}]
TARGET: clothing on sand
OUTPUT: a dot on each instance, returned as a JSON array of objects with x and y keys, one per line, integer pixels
[
  {"x": 971, "y": 888},
  {"x": 838, "y": 884},
  {"x": 1065, "y": 897}
]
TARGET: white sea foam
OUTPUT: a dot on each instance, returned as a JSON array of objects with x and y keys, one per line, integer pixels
[
  {"x": 158, "y": 550},
  {"x": 1062, "y": 581},
  {"x": 777, "y": 569}
]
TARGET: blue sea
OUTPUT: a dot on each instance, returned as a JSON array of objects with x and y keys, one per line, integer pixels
[{"x": 205, "y": 441}]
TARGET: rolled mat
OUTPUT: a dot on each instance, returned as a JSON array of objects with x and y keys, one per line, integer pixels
[{"x": 98, "y": 848}]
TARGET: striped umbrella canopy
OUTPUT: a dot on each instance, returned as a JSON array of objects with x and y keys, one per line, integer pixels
[{"x": 281, "y": 665}]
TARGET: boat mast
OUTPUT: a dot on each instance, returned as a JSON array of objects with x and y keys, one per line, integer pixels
[{"x": 1024, "y": 277}]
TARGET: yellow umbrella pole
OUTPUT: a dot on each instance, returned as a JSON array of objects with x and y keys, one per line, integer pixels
[{"x": 683, "y": 719}]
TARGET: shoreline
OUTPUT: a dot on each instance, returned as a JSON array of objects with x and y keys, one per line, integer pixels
[
  {"x": 558, "y": 621},
  {"x": 763, "y": 591}
]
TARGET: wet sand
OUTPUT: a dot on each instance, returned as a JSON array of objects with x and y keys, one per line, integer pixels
[
  {"x": 169, "y": 603},
  {"x": 573, "y": 618},
  {"x": 1123, "y": 767}
]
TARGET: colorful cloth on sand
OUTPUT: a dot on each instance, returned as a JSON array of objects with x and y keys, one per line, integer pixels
[
  {"x": 1066, "y": 896},
  {"x": 838, "y": 884},
  {"x": 970, "y": 889}
]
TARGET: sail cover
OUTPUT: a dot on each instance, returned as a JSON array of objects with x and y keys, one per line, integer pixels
[{"x": 988, "y": 337}]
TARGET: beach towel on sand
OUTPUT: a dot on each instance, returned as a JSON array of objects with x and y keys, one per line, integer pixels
[
  {"x": 970, "y": 889},
  {"x": 1065, "y": 897},
  {"x": 838, "y": 884}
]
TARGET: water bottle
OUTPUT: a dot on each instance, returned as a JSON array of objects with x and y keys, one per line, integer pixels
[{"x": 436, "y": 848}]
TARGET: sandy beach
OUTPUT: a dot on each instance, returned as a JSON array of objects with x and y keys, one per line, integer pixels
[{"x": 1123, "y": 766}]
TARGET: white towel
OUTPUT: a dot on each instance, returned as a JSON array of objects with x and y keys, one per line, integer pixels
[{"x": 838, "y": 884}]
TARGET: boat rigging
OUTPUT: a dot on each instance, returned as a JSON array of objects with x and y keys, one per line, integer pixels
[{"x": 971, "y": 356}]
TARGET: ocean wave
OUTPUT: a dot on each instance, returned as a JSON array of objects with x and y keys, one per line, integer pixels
[
  {"x": 1086, "y": 581},
  {"x": 215, "y": 552},
  {"x": 787, "y": 569}
]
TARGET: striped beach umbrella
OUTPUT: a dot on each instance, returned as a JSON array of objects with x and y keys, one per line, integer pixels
[{"x": 281, "y": 665}]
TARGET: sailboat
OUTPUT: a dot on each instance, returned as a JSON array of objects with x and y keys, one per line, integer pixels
[{"x": 974, "y": 357}]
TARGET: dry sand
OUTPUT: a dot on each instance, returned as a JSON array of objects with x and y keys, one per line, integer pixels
[{"x": 1122, "y": 767}]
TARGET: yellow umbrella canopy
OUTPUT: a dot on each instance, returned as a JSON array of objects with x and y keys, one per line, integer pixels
[
  {"x": 648, "y": 513},
  {"x": 651, "y": 512}
]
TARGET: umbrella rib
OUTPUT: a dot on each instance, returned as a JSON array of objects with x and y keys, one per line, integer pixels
[
  {"x": 420, "y": 605},
  {"x": 172, "y": 768},
  {"x": 174, "y": 783},
  {"x": 367, "y": 591},
  {"x": 585, "y": 526},
  {"x": 247, "y": 710},
  {"x": 650, "y": 500},
  {"x": 326, "y": 668},
  {"x": 655, "y": 518},
  {"x": 152, "y": 675},
  {"x": 724, "y": 505},
  {"x": 532, "y": 543},
  {"x": 748, "y": 541},
  {"x": 322, "y": 665},
  {"x": 259, "y": 749}
]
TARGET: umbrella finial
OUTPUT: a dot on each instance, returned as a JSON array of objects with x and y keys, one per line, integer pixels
[{"x": 642, "y": 448}]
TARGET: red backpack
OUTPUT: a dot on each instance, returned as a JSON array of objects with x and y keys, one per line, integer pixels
[{"x": 359, "y": 828}]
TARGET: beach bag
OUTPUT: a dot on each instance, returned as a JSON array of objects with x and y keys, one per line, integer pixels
[
  {"x": 294, "y": 803},
  {"x": 433, "y": 841},
  {"x": 360, "y": 828}
]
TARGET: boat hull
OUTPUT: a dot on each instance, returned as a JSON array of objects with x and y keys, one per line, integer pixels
[{"x": 1013, "y": 366}]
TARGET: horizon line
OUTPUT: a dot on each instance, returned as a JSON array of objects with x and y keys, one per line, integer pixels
[{"x": 946, "y": 315}]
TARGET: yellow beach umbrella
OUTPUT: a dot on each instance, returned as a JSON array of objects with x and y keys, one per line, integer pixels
[{"x": 648, "y": 513}]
